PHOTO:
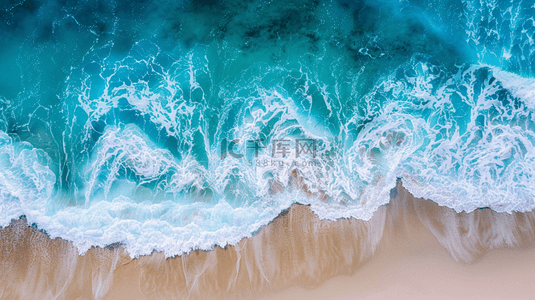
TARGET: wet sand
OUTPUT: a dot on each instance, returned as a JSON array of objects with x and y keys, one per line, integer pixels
[
  {"x": 411, "y": 264},
  {"x": 414, "y": 274},
  {"x": 411, "y": 248}
]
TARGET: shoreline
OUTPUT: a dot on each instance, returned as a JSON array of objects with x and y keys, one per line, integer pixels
[
  {"x": 426, "y": 271},
  {"x": 295, "y": 250}
]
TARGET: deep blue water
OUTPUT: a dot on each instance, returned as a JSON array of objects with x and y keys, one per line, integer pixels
[{"x": 174, "y": 125}]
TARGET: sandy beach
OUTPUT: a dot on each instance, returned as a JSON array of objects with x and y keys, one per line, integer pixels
[
  {"x": 265, "y": 149},
  {"x": 411, "y": 264},
  {"x": 411, "y": 248}
]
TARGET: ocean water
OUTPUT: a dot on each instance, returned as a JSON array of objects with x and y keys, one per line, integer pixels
[{"x": 180, "y": 125}]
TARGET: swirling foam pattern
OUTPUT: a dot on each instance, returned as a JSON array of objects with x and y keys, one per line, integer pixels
[{"x": 116, "y": 116}]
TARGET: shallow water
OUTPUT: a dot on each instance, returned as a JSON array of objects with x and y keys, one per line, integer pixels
[
  {"x": 120, "y": 120},
  {"x": 297, "y": 250}
]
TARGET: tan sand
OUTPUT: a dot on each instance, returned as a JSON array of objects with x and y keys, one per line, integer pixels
[
  {"x": 411, "y": 264},
  {"x": 411, "y": 248}
]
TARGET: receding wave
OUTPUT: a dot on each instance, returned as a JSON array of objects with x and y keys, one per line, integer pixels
[
  {"x": 172, "y": 137},
  {"x": 298, "y": 248}
]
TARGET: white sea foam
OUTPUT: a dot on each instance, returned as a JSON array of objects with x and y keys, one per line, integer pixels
[
  {"x": 520, "y": 87},
  {"x": 465, "y": 140},
  {"x": 26, "y": 181}
]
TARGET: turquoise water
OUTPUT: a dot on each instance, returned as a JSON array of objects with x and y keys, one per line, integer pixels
[{"x": 116, "y": 116}]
